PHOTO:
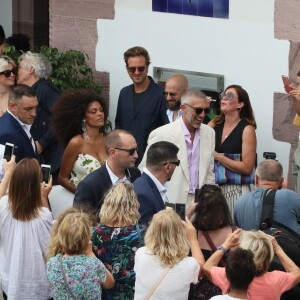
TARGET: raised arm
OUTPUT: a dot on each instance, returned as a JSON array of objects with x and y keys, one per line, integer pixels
[
  {"x": 8, "y": 167},
  {"x": 245, "y": 166}
]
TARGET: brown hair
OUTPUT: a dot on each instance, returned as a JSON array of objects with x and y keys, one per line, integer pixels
[
  {"x": 246, "y": 112},
  {"x": 24, "y": 192},
  {"x": 137, "y": 51}
]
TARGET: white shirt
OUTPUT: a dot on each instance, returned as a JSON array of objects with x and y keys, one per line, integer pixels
[
  {"x": 23, "y": 246},
  {"x": 114, "y": 178},
  {"x": 224, "y": 297},
  {"x": 175, "y": 285},
  {"x": 161, "y": 187},
  {"x": 170, "y": 114}
]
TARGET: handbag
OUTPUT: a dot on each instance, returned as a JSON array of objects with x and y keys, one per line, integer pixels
[
  {"x": 65, "y": 279},
  {"x": 157, "y": 283},
  {"x": 226, "y": 176}
]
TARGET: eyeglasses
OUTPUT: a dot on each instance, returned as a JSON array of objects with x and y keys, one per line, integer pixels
[
  {"x": 130, "y": 151},
  {"x": 133, "y": 69},
  {"x": 7, "y": 73},
  {"x": 171, "y": 94},
  {"x": 228, "y": 96},
  {"x": 200, "y": 110},
  {"x": 176, "y": 163}
]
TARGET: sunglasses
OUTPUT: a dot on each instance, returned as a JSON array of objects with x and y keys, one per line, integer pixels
[
  {"x": 228, "y": 96},
  {"x": 176, "y": 163},
  {"x": 200, "y": 110},
  {"x": 7, "y": 73},
  {"x": 171, "y": 94},
  {"x": 130, "y": 151},
  {"x": 133, "y": 69}
]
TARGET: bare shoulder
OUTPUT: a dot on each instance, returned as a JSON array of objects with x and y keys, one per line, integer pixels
[{"x": 249, "y": 130}]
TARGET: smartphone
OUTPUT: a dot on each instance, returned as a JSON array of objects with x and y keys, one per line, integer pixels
[
  {"x": 286, "y": 83},
  {"x": 8, "y": 151},
  {"x": 180, "y": 209},
  {"x": 46, "y": 172}
]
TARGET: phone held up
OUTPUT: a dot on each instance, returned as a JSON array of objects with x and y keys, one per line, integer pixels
[
  {"x": 46, "y": 172},
  {"x": 286, "y": 83},
  {"x": 8, "y": 151}
]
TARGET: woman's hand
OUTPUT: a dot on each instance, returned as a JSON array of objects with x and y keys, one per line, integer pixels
[
  {"x": 9, "y": 166},
  {"x": 190, "y": 230},
  {"x": 45, "y": 191},
  {"x": 233, "y": 239}
]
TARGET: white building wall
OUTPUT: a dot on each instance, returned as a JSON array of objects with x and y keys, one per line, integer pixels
[{"x": 242, "y": 48}]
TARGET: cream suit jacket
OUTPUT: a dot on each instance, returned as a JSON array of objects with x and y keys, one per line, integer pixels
[{"x": 178, "y": 187}]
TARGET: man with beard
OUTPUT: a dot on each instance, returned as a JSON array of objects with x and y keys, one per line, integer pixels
[
  {"x": 175, "y": 87},
  {"x": 196, "y": 143},
  {"x": 151, "y": 187}
]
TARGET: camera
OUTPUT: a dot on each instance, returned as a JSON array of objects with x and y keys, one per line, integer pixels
[{"x": 269, "y": 155}]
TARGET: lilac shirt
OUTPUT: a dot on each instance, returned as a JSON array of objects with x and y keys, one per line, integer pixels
[{"x": 193, "y": 152}]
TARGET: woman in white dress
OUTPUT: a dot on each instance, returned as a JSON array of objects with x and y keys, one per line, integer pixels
[
  {"x": 78, "y": 121},
  {"x": 164, "y": 259}
]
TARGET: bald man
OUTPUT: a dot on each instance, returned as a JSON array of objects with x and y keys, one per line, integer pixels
[{"x": 175, "y": 87}]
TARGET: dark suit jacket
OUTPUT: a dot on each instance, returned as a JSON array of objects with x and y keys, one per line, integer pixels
[
  {"x": 47, "y": 94},
  {"x": 92, "y": 188},
  {"x": 12, "y": 132},
  {"x": 149, "y": 197},
  {"x": 150, "y": 113}
]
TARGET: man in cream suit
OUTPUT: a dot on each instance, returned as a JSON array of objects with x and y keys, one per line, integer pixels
[{"x": 196, "y": 143}]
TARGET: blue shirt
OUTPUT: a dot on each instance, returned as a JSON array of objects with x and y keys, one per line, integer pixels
[{"x": 247, "y": 209}]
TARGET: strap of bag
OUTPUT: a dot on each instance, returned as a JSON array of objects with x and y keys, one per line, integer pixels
[
  {"x": 212, "y": 246},
  {"x": 266, "y": 219},
  {"x": 65, "y": 279},
  {"x": 138, "y": 230},
  {"x": 157, "y": 283}
]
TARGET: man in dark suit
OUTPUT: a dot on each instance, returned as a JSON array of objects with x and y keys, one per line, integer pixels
[
  {"x": 34, "y": 70},
  {"x": 15, "y": 124},
  {"x": 141, "y": 105},
  {"x": 121, "y": 149},
  {"x": 150, "y": 187}
]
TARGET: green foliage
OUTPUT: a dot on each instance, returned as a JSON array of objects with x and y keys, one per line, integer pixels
[{"x": 70, "y": 69}]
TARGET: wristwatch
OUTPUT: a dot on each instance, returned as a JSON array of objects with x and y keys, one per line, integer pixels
[{"x": 222, "y": 249}]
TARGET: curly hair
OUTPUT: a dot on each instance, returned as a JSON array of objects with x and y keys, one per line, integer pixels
[
  {"x": 212, "y": 211},
  {"x": 261, "y": 247},
  {"x": 137, "y": 51},
  {"x": 120, "y": 206},
  {"x": 246, "y": 112},
  {"x": 166, "y": 238},
  {"x": 69, "y": 111}
]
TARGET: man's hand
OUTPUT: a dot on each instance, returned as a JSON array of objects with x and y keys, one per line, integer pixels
[{"x": 39, "y": 148}]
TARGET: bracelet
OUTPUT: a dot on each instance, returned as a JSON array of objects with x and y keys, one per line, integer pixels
[
  {"x": 219, "y": 162},
  {"x": 222, "y": 249}
]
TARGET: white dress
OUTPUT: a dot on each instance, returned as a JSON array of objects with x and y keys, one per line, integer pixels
[
  {"x": 175, "y": 285},
  {"x": 23, "y": 246}
]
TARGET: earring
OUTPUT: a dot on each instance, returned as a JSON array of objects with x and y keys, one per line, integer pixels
[
  {"x": 238, "y": 109},
  {"x": 84, "y": 130}
]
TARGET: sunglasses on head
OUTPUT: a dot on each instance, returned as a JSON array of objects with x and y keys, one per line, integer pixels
[
  {"x": 199, "y": 110},
  {"x": 130, "y": 151},
  {"x": 227, "y": 96},
  {"x": 7, "y": 73},
  {"x": 133, "y": 69},
  {"x": 171, "y": 94}
]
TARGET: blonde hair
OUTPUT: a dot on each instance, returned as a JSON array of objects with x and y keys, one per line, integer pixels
[
  {"x": 4, "y": 61},
  {"x": 71, "y": 233},
  {"x": 166, "y": 238},
  {"x": 120, "y": 206},
  {"x": 54, "y": 246},
  {"x": 261, "y": 247}
]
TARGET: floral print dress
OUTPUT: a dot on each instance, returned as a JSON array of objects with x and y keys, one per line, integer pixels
[
  {"x": 84, "y": 275},
  {"x": 116, "y": 247}
]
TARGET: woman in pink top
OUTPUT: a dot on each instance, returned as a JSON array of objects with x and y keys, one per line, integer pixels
[{"x": 266, "y": 285}]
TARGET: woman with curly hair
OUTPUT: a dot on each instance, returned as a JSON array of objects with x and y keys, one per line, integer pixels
[
  {"x": 235, "y": 148},
  {"x": 8, "y": 73},
  {"x": 163, "y": 268},
  {"x": 117, "y": 238},
  {"x": 78, "y": 120}
]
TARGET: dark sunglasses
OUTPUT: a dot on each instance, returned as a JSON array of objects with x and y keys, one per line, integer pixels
[
  {"x": 228, "y": 96},
  {"x": 171, "y": 94},
  {"x": 200, "y": 110},
  {"x": 130, "y": 151},
  {"x": 176, "y": 163},
  {"x": 7, "y": 73},
  {"x": 133, "y": 69}
]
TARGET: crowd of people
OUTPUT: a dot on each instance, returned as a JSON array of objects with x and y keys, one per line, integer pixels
[{"x": 161, "y": 207}]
